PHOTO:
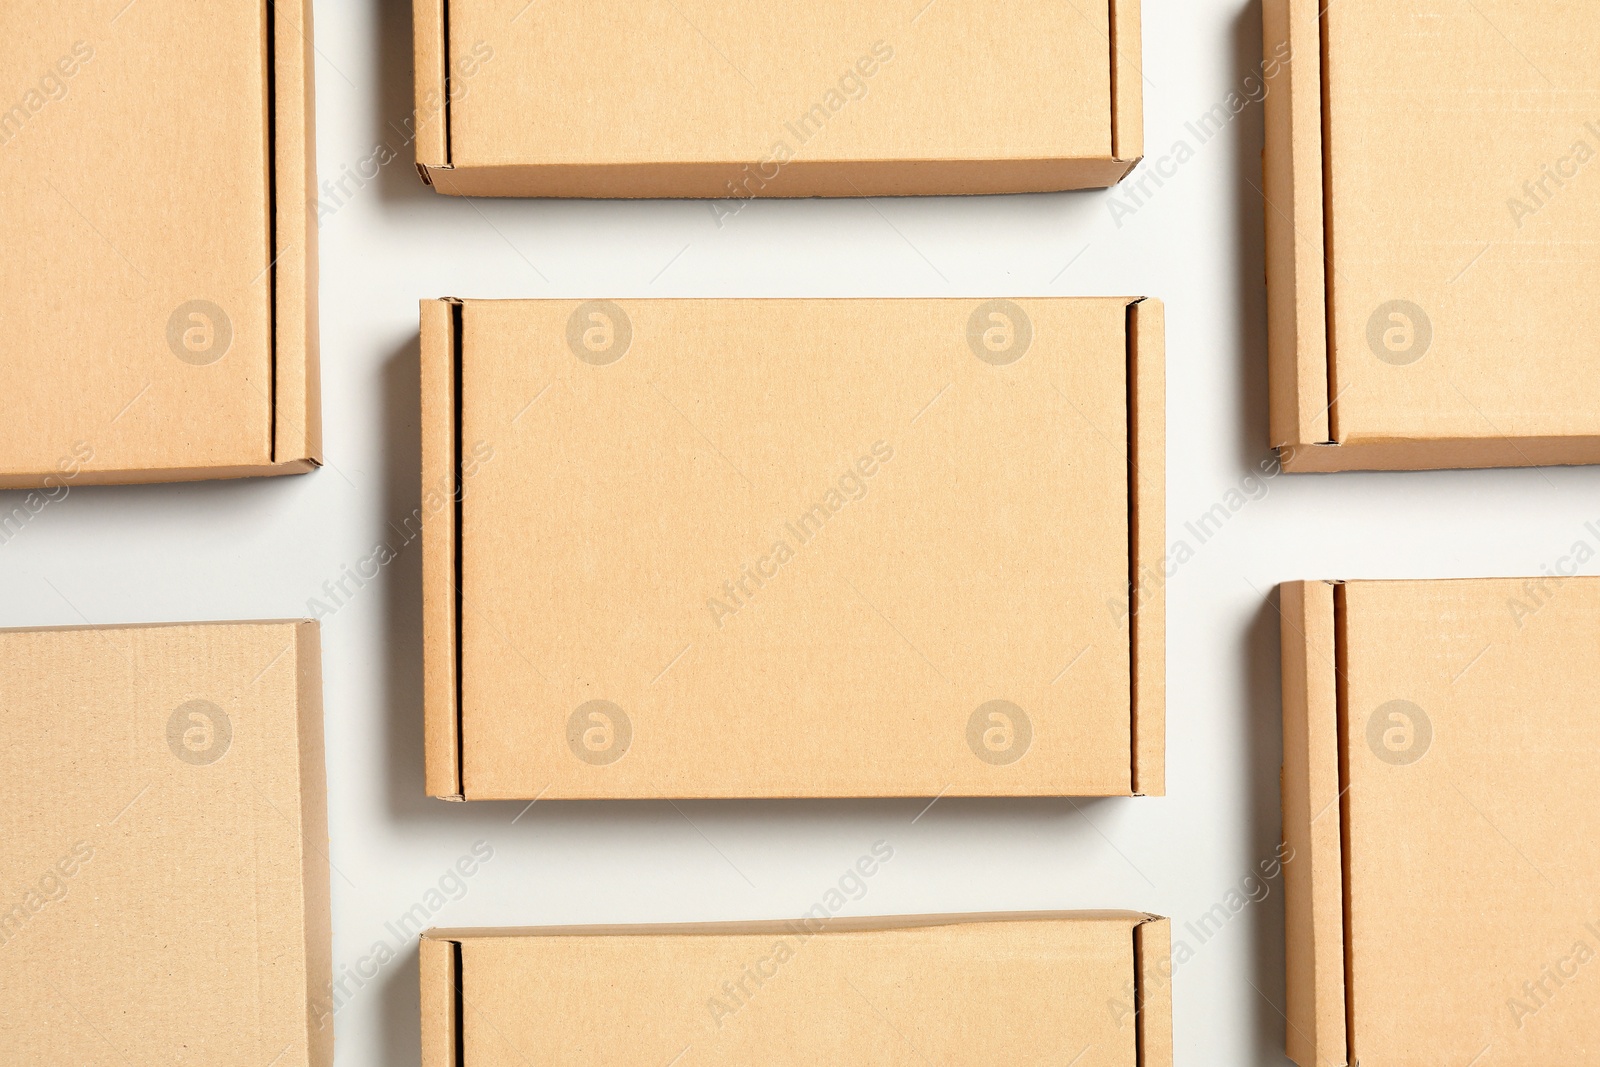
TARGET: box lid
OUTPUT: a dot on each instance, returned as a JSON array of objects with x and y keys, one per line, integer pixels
[
  {"x": 1461, "y": 148},
  {"x": 740, "y": 99},
  {"x": 159, "y": 250},
  {"x": 769, "y": 548},
  {"x": 904, "y": 990},
  {"x": 163, "y": 846},
  {"x": 1469, "y": 832}
]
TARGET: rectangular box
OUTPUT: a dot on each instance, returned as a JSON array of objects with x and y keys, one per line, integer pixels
[
  {"x": 1087, "y": 989},
  {"x": 741, "y": 98},
  {"x": 163, "y": 847},
  {"x": 1433, "y": 232},
  {"x": 1439, "y": 798},
  {"x": 793, "y": 548},
  {"x": 159, "y": 281}
]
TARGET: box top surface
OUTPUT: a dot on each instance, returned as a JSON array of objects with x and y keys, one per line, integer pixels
[
  {"x": 135, "y": 288},
  {"x": 151, "y": 821},
  {"x": 1464, "y": 153},
  {"x": 851, "y": 505},
  {"x": 906, "y": 995},
  {"x": 696, "y": 81},
  {"x": 1473, "y": 822}
]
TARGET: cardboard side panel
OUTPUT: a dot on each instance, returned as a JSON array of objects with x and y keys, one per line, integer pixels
[
  {"x": 297, "y": 419},
  {"x": 1153, "y": 955},
  {"x": 802, "y": 178},
  {"x": 439, "y": 1022},
  {"x": 558, "y": 996},
  {"x": 147, "y": 475},
  {"x": 1442, "y": 454},
  {"x": 1297, "y": 336},
  {"x": 442, "y": 741},
  {"x": 1313, "y": 876},
  {"x": 314, "y": 856},
  {"x": 429, "y": 57},
  {"x": 1147, "y": 427},
  {"x": 1127, "y": 81}
]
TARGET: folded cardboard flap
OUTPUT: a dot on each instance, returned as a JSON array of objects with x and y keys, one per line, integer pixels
[
  {"x": 444, "y": 81},
  {"x": 1147, "y": 526},
  {"x": 957, "y": 943},
  {"x": 1292, "y": 166},
  {"x": 1313, "y": 874},
  {"x": 442, "y": 333}
]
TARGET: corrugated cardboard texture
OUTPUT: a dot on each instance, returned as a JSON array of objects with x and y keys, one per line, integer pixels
[
  {"x": 163, "y": 847},
  {"x": 1461, "y": 149},
  {"x": 1046, "y": 988},
  {"x": 1471, "y": 830},
  {"x": 159, "y": 273},
  {"x": 773, "y": 548},
  {"x": 745, "y": 99}
]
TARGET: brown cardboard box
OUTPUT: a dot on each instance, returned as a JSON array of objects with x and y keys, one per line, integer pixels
[
  {"x": 792, "y": 548},
  {"x": 158, "y": 286},
  {"x": 1433, "y": 232},
  {"x": 1087, "y": 989},
  {"x": 742, "y": 99},
  {"x": 1439, "y": 798},
  {"x": 163, "y": 847}
]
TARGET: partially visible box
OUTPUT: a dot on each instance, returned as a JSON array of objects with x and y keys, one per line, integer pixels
[
  {"x": 1433, "y": 232},
  {"x": 159, "y": 279},
  {"x": 1088, "y": 989},
  {"x": 739, "y": 99},
  {"x": 1441, "y": 812},
  {"x": 793, "y": 548},
  {"x": 163, "y": 847}
]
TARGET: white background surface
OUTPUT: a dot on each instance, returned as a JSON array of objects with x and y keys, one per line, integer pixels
[{"x": 262, "y": 549}]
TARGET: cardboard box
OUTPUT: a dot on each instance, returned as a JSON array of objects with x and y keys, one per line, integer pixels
[
  {"x": 163, "y": 847},
  {"x": 1089, "y": 989},
  {"x": 1438, "y": 795},
  {"x": 1433, "y": 232},
  {"x": 793, "y": 548},
  {"x": 159, "y": 279},
  {"x": 744, "y": 99}
]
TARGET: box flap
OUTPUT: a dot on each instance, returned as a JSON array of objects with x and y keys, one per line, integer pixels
[
  {"x": 1313, "y": 877},
  {"x": 1147, "y": 524},
  {"x": 441, "y": 518}
]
